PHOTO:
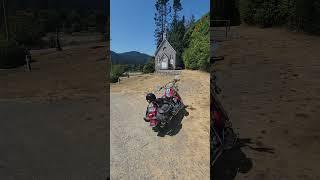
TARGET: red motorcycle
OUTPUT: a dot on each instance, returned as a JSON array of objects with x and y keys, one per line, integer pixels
[
  {"x": 222, "y": 134},
  {"x": 160, "y": 111}
]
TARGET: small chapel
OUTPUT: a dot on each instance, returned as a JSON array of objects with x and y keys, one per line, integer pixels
[{"x": 166, "y": 56}]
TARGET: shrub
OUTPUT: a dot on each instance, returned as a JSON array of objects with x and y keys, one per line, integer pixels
[
  {"x": 11, "y": 55},
  {"x": 196, "y": 55},
  {"x": 149, "y": 66},
  {"x": 296, "y": 14},
  {"x": 247, "y": 11},
  {"x": 114, "y": 79},
  {"x": 116, "y": 72},
  {"x": 26, "y": 30},
  {"x": 268, "y": 14}
]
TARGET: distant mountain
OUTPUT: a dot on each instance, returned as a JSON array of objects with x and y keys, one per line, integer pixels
[{"x": 132, "y": 57}]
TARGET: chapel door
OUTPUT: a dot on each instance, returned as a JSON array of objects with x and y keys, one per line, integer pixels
[{"x": 164, "y": 63}]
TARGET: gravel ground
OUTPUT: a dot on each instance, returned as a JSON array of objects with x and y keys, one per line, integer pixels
[
  {"x": 271, "y": 88},
  {"x": 137, "y": 152}
]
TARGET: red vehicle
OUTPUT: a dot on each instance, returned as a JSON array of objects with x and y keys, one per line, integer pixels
[
  {"x": 222, "y": 135},
  {"x": 160, "y": 111}
]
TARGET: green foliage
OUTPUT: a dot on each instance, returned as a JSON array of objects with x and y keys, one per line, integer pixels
[
  {"x": 135, "y": 67},
  {"x": 226, "y": 9},
  {"x": 190, "y": 22},
  {"x": 117, "y": 71},
  {"x": 296, "y": 14},
  {"x": 25, "y": 29},
  {"x": 309, "y": 14},
  {"x": 247, "y": 11},
  {"x": 149, "y": 67},
  {"x": 177, "y": 7},
  {"x": 163, "y": 10},
  {"x": 11, "y": 55},
  {"x": 196, "y": 55},
  {"x": 176, "y": 35},
  {"x": 268, "y": 14},
  {"x": 28, "y": 27},
  {"x": 187, "y": 35},
  {"x": 113, "y": 78}
]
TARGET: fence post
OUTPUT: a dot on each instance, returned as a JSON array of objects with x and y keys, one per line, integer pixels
[{"x": 226, "y": 30}]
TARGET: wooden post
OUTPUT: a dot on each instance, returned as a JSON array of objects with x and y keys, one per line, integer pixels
[
  {"x": 226, "y": 31},
  {"x": 58, "y": 46}
]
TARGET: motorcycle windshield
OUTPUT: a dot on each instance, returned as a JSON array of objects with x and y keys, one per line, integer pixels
[{"x": 168, "y": 92}]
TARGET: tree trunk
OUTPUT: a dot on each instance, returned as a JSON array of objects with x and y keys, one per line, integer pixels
[
  {"x": 58, "y": 46},
  {"x": 5, "y": 19}
]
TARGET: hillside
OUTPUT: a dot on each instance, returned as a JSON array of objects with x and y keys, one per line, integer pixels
[{"x": 132, "y": 57}]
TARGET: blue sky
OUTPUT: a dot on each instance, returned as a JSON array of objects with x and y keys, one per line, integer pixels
[{"x": 132, "y": 24}]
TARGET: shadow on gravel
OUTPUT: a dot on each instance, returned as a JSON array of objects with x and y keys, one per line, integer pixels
[
  {"x": 248, "y": 143},
  {"x": 174, "y": 126},
  {"x": 230, "y": 163},
  {"x": 235, "y": 161}
]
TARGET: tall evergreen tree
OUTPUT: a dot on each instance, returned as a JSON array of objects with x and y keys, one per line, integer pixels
[
  {"x": 177, "y": 29},
  {"x": 176, "y": 35},
  {"x": 177, "y": 7},
  {"x": 190, "y": 22},
  {"x": 161, "y": 19}
]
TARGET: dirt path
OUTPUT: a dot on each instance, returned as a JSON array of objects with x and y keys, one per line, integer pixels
[
  {"x": 270, "y": 81},
  {"x": 54, "y": 119},
  {"x": 136, "y": 150}
]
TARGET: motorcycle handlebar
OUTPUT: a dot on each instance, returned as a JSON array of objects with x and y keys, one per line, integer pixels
[{"x": 168, "y": 83}]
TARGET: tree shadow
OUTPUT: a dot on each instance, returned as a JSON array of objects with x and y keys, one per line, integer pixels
[
  {"x": 174, "y": 127},
  {"x": 235, "y": 161}
]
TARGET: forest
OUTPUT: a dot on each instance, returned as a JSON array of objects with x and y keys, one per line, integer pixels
[
  {"x": 297, "y": 15},
  {"x": 24, "y": 24}
]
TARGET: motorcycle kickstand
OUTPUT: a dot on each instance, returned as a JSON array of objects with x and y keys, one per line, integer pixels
[{"x": 218, "y": 155}]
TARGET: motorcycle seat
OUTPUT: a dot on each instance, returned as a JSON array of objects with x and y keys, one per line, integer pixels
[{"x": 161, "y": 101}]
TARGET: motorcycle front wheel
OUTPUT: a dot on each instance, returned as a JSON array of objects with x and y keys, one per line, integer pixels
[{"x": 230, "y": 138}]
